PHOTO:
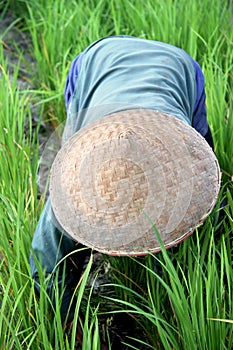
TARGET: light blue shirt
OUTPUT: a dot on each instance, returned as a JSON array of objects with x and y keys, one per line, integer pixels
[{"x": 117, "y": 74}]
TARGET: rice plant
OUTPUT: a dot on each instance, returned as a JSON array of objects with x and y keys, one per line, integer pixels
[{"x": 177, "y": 299}]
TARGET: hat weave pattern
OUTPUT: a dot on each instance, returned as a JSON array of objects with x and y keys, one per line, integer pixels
[{"x": 118, "y": 177}]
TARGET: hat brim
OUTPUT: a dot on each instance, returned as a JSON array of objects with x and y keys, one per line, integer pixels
[{"x": 128, "y": 175}]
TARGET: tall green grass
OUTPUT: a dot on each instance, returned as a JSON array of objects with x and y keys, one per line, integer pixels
[
  {"x": 190, "y": 304},
  {"x": 177, "y": 307}
]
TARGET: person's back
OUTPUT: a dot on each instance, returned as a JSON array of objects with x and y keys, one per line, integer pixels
[{"x": 119, "y": 72}]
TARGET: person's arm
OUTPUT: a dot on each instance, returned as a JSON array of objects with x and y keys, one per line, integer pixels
[
  {"x": 49, "y": 247},
  {"x": 72, "y": 79},
  {"x": 199, "y": 116}
]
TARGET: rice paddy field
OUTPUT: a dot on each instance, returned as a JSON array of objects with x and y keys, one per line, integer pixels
[{"x": 178, "y": 299}]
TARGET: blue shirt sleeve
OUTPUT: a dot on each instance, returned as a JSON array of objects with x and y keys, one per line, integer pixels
[
  {"x": 199, "y": 116},
  {"x": 72, "y": 78},
  {"x": 49, "y": 246}
]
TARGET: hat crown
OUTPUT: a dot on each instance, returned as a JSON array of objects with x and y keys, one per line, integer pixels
[{"x": 131, "y": 170}]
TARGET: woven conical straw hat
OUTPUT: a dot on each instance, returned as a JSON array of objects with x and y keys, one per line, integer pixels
[{"x": 119, "y": 178}]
